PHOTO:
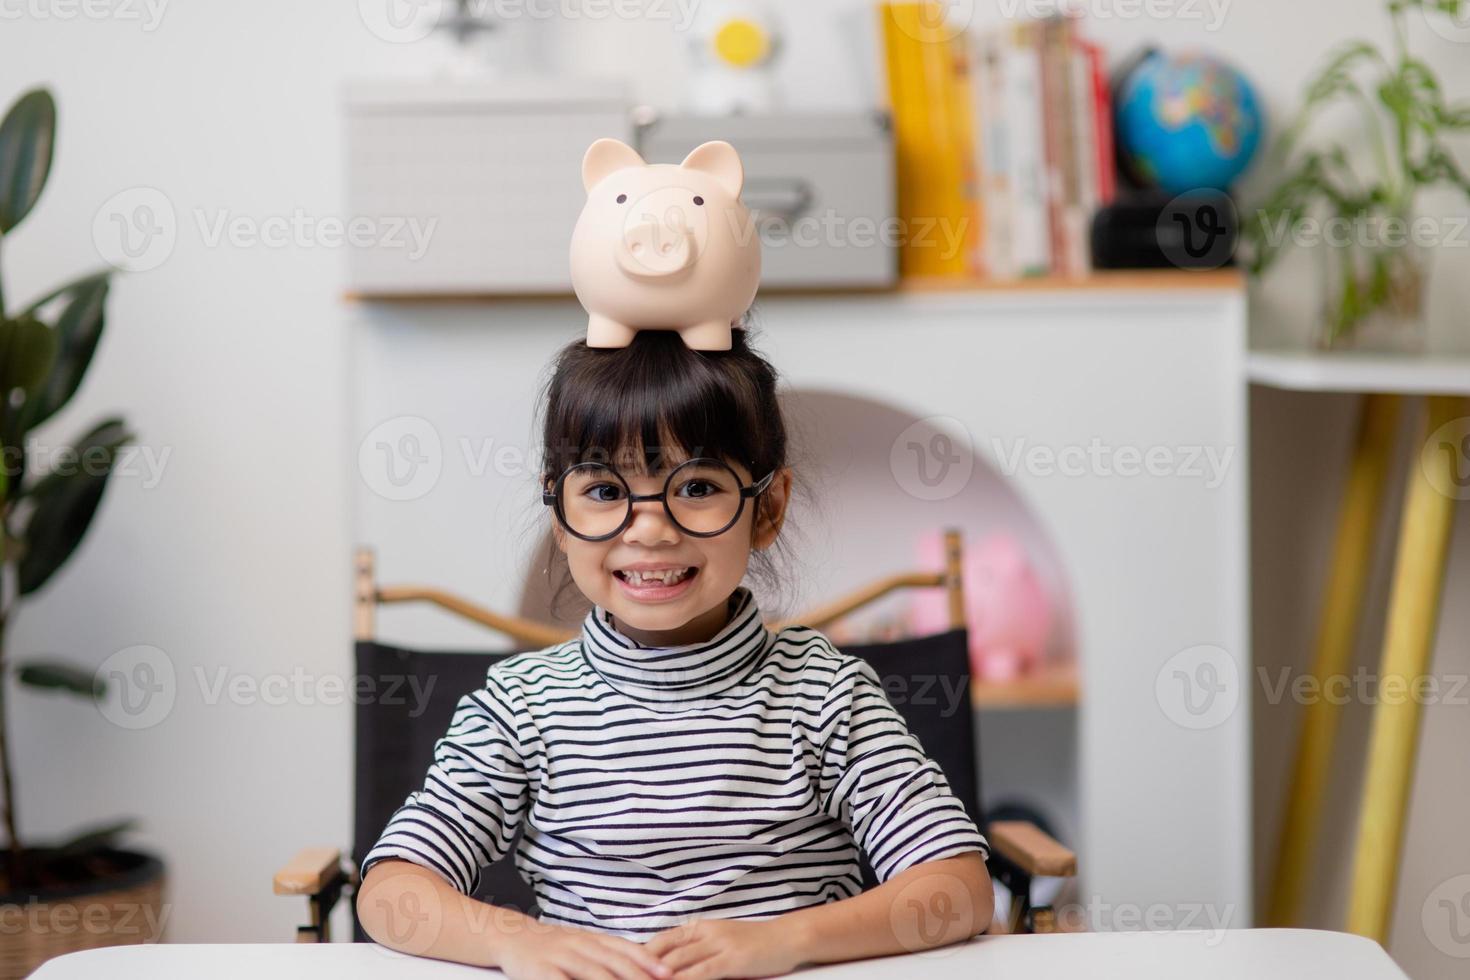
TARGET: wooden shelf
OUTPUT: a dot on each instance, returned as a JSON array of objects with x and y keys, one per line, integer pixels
[
  {"x": 1136, "y": 280},
  {"x": 1052, "y": 686}
]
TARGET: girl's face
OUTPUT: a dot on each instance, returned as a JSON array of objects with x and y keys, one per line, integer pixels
[{"x": 693, "y": 608}]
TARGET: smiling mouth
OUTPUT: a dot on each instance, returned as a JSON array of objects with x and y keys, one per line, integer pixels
[{"x": 663, "y": 577}]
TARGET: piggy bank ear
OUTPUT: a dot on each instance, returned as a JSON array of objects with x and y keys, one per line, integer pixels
[
  {"x": 718, "y": 159},
  {"x": 607, "y": 156}
]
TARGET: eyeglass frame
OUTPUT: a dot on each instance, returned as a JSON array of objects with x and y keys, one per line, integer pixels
[{"x": 552, "y": 498}]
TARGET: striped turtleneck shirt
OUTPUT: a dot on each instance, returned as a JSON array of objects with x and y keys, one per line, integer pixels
[{"x": 733, "y": 778}]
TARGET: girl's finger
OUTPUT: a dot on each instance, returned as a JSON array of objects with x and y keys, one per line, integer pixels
[
  {"x": 688, "y": 955},
  {"x": 640, "y": 954},
  {"x": 636, "y": 969},
  {"x": 583, "y": 968},
  {"x": 706, "y": 969}
]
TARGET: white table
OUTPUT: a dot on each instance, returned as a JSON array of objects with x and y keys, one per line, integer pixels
[{"x": 1259, "y": 954}]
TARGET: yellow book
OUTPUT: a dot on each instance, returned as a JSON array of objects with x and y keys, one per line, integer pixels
[{"x": 933, "y": 143}]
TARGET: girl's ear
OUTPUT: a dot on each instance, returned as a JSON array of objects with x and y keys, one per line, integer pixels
[{"x": 770, "y": 511}]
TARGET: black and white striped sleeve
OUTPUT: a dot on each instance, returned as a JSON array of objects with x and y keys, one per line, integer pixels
[
  {"x": 473, "y": 797},
  {"x": 878, "y": 780}
]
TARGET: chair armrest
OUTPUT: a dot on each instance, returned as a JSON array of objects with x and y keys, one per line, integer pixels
[
  {"x": 1029, "y": 848},
  {"x": 309, "y": 872}
]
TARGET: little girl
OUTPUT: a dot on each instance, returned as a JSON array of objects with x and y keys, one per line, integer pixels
[{"x": 692, "y": 788}]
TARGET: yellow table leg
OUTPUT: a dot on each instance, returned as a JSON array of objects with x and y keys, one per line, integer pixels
[
  {"x": 1413, "y": 611},
  {"x": 1342, "y": 600}
]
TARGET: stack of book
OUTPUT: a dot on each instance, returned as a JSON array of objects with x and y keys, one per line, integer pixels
[{"x": 1004, "y": 144}]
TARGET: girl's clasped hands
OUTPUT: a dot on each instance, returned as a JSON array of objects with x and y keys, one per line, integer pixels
[{"x": 704, "y": 949}]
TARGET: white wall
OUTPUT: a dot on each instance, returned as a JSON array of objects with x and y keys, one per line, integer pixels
[{"x": 232, "y": 359}]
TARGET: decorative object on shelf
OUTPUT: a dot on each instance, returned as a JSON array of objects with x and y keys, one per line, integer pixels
[
  {"x": 1006, "y": 607},
  {"x": 735, "y": 45},
  {"x": 1188, "y": 126},
  {"x": 1186, "y": 122},
  {"x": 1364, "y": 216},
  {"x": 664, "y": 246},
  {"x": 45, "y": 350}
]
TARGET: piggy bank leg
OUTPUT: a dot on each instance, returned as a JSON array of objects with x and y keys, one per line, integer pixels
[
  {"x": 713, "y": 335},
  {"x": 605, "y": 332}
]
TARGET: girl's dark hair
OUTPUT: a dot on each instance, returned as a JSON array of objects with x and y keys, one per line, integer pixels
[{"x": 638, "y": 407}]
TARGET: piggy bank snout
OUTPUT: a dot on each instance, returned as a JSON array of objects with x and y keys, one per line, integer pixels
[{"x": 653, "y": 249}]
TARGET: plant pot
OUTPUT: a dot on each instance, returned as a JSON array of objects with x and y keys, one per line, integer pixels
[
  {"x": 1374, "y": 297},
  {"x": 121, "y": 906}
]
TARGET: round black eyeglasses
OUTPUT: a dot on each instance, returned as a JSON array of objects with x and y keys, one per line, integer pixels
[{"x": 703, "y": 497}]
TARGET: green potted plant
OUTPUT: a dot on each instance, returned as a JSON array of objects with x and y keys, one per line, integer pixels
[
  {"x": 85, "y": 891},
  {"x": 1374, "y": 244}
]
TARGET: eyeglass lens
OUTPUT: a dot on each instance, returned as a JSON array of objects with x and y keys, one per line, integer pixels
[{"x": 703, "y": 497}]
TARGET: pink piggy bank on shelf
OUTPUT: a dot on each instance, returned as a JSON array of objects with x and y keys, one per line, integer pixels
[
  {"x": 1007, "y": 610},
  {"x": 664, "y": 246}
]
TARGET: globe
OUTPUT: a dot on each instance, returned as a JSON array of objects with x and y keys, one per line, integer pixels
[{"x": 1187, "y": 122}]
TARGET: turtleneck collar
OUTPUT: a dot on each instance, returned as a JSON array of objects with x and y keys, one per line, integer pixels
[{"x": 678, "y": 673}]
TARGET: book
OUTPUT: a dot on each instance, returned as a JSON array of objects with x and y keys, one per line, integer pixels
[
  {"x": 929, "y": 104},
  {"x": 1026, "y": 152}
]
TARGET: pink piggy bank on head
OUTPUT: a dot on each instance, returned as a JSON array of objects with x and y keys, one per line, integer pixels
[{"x": 664, "y": 246}]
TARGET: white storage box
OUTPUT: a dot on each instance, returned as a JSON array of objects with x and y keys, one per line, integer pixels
[
  {"x": 488, "y": 173},
  {"x": 819, "y": 185}
]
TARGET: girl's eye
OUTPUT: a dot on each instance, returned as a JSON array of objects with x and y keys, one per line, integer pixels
[
  {"x": 603, "y": 493},
  {"x": 622, "y": 199},
  {"x": 699, "y": 200},
  {"x": 698, "y": 489}
]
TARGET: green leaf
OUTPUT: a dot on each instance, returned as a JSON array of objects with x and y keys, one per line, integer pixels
[
  {"x": 78, "y": 328},
  {"x": 60, "y": 676},
  {"x": 65, "y": 503},
  {"x": 27, "y": 351},
  {"x": 27, "y": 138}
]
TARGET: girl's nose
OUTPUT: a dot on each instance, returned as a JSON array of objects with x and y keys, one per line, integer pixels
[{"x": 650, "y": 525}]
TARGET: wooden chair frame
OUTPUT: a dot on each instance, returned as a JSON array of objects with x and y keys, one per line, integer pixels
[{"x": 1019, "y": 849}]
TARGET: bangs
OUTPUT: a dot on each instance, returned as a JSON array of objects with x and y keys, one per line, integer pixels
[{"x": 647, "y": 407}]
